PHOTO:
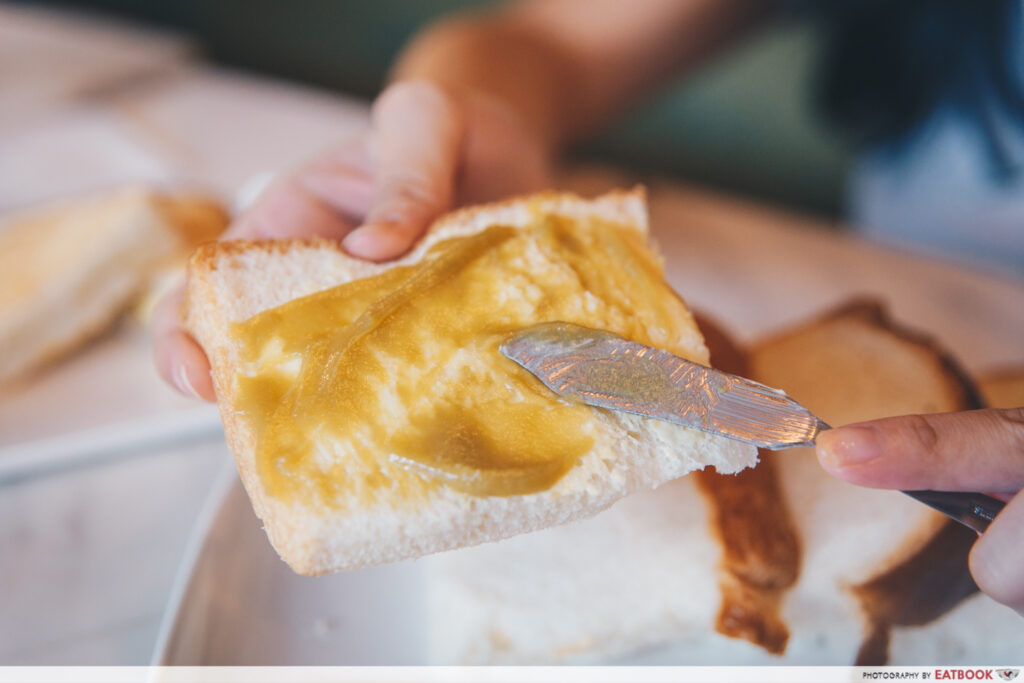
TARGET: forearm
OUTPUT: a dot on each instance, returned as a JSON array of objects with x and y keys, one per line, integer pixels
[
  {"x": 567, "y": 66},
  {"x": 487, "y": 55}
]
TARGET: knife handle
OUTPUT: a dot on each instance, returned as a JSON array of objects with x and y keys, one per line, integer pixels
[{"x": 974, "y": 510}]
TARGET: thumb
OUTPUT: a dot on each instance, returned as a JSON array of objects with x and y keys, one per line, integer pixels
[
  {"x": 997, "y": 558},
  {"x": 179, "y": 359},
  {"x": 978, "y": 450},
  {"x": 417, "y": 135}
]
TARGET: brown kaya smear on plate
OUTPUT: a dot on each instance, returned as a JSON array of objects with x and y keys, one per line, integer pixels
[{"x": 751, "y": 521}]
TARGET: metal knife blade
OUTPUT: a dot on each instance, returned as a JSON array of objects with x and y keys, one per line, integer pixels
[{"x": 607, "y": 371}]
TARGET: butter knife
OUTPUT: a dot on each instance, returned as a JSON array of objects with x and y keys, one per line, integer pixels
[{"x": 604, "y": 370}]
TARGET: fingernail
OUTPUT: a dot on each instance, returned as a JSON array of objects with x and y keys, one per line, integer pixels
[
  {"x": 183, "y": 383},
  {"x": 356, "y": 241},
  {"x": 369, "y": 242},
  {"x": 849, "y": 446}
]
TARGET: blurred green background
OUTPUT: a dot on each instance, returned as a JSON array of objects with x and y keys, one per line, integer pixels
[{"x": 744, "y": 123}]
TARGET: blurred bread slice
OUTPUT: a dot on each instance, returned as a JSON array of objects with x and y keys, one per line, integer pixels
[
  {"x": 643, "y": 580},
  {"x": 230, "y": 282},
  {"x": 196, "y": 219},
  {"x": 68, "y": 270},
  {"x": 850, "y": 365}
]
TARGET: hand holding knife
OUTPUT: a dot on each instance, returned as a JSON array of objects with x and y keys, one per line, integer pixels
[{"x": 603, "y": 370}]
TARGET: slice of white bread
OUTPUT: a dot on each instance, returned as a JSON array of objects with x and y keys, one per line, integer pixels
[
  {"x": 230, "y": 282},
  {"x": 68, "y": 270},
  {"x": 640, "y": 580},
  {"x": 637, "y": 577}
]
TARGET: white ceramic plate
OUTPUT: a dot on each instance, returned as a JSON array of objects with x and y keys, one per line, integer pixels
[{"x": 238, "y": 604}]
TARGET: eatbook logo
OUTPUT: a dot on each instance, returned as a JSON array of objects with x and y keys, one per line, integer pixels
[{"x": 1008, "y": 674}]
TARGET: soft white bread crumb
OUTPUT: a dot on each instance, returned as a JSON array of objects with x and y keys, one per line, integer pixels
[
  {"x": 230, "y": 282},
  {"x": 638, "y": 576}
]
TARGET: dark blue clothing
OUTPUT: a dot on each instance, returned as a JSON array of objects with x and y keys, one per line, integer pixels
[{"x": 942, "y": 118}]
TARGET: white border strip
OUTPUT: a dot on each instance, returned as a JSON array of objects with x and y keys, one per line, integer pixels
[{"x": 446, "y": 674}]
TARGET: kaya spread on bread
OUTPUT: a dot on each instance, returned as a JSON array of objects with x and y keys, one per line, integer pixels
[
  {"x": 371, "y": 413},
  {"x": 405, "y": 367}
]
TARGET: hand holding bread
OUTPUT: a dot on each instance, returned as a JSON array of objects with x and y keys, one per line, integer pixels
[
  {"x": 371, "y": 413},
  {"x": 428, "y": 150}
]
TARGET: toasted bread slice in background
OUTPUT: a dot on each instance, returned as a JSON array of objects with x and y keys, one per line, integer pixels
[
  {"x": 196, "y": 219},
  {"x": 230, "y": 282},
  {"x": 68, "y": 270},
  {"x": 850, "y": 365}
]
